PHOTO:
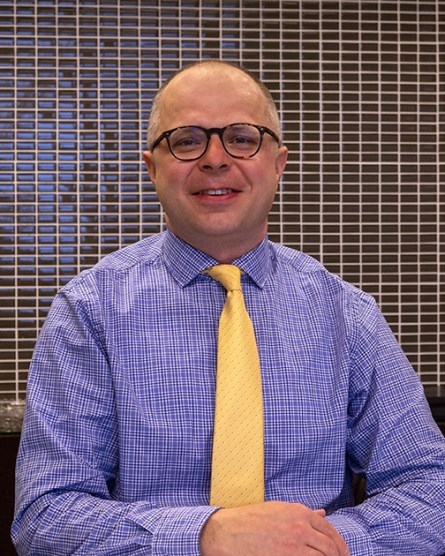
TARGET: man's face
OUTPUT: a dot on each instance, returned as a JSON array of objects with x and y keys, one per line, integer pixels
[{"x": 217, "y": 199}]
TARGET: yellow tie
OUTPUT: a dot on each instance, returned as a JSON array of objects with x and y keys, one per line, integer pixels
[{"x": 238, "y": 443}]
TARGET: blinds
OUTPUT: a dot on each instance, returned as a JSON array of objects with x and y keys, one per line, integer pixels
[{"x": 360, "y": 87}]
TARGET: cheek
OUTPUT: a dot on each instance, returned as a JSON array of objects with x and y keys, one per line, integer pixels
[
  {"x": 171, "y": 175},
  {"x": 170, "y": 189},
  {"x": 162, "y": 180},
  {"x": 265, "y": 181}
]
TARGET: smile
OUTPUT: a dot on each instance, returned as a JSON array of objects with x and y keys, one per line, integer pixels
[{"x": 216, "y": 192}]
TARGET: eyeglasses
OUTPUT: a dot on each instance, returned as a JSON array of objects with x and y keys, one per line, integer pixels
[{"x": 190, "y": 142}]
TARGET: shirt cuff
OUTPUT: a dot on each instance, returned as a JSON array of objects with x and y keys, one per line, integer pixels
[
  {"x": 357, "y": 536},
  {"x": 178, "y": 531}
]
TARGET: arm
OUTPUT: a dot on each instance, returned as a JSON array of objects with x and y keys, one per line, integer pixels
[
  {"x": 395, "y": 444},
  {"x": 277, "y": 528},
  {"x": 68, "y": 471}
]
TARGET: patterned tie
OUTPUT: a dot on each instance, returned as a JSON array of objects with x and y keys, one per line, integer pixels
[{"x": 238, "y": 443}]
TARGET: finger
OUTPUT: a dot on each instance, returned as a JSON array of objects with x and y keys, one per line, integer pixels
[
  {"x": 323, "y": 544},
  {"x": 323, "y": 527}
]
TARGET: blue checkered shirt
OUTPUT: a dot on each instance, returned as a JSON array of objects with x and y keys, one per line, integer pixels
[{"x": 116, "y": 445}]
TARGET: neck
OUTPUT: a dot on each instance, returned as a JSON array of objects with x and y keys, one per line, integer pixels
[
  {"x": 225, "y": 254},
  {"x": 223, "y": 250}
]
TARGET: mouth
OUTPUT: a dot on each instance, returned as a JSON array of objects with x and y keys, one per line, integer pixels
[{"x": 216, "y": 192}]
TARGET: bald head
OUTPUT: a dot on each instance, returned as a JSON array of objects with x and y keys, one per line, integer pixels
[{"x": 205, "y": 70}]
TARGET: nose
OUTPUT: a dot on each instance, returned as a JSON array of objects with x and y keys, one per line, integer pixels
[{"x": 215, "y": 157}]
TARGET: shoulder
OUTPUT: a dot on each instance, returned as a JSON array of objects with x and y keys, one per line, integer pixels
[
  {"x": 130, "y": 261},
  {"x": 309, "y": 275},
  {"x": 143, "y": 252}
]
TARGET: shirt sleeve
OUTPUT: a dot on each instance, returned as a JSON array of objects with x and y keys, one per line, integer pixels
[
  {"x": 67, "y": 467},
  {"x": 394, "y": 443}
]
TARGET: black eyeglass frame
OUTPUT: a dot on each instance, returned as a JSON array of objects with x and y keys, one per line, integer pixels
[{"x": 211, "y": 131}]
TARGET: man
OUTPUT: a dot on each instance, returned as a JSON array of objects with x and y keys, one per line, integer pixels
[{"x": 116, "y": 450}]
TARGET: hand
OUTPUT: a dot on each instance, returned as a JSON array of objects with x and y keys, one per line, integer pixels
[{"x": 271, "y": 529}]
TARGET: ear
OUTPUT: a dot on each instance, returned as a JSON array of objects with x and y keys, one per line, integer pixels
[
  {"x": 280, "y": 161},
  {"x": 149, "y": 163}
]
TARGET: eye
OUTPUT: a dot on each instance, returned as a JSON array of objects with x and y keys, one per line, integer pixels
[
  {"x": 242, "y": 137},
  {"x": 187, "y": 139}
]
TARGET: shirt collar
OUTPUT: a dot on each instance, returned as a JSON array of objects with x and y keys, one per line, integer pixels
[{"x": 184, "y": 262}]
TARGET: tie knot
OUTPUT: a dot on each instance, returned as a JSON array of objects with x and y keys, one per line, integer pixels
[{"x": 228, "y": 275}]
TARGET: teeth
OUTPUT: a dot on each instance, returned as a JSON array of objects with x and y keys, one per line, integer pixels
[{"x": 216, "y": 192}]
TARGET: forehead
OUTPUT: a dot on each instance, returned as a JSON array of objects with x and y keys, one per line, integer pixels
[{"x": 212, "y": 97}]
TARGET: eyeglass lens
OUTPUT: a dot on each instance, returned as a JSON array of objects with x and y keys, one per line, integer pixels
[{"x": 239, "y": 140}]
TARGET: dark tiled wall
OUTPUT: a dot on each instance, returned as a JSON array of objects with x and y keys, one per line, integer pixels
[{"x": 360, "y": 87}]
